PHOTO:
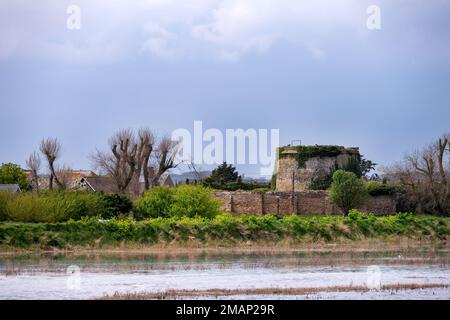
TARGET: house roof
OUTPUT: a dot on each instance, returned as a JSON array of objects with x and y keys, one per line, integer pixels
[
  {"x": 101, "y": 183},
  {"x": 166, "y": 181},
  {"x": 10, "y": 187}
]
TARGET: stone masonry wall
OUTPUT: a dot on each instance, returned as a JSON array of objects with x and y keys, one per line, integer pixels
[
  {"x": 283, "y": 203},
  {"x": 291, "y": 176}
]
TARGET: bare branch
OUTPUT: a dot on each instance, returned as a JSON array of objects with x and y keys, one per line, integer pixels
[
  {"x": 51, "y": 149},
  {"x": 164, "y": 159},
  {"x": 34, "y": 164}
]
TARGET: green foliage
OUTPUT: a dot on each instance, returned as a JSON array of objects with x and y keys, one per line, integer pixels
[
  {"x": 225, "y": 177},
  {"x": 116, "y": 205},
  {"x": 58, "y": 206},
  {"x": 325, "y": 182},
  {"x": 253, "y": 186},
  {"x": 273, "y": 182},
  {"x": 222, "y": 175},
  {"x": 11, "y": 173},
  {"x": 225, "y": 228},
  {"x": 356, "y": 164},
  {"x": 5, "y": 197},
  {"x": 306, "y": 152},
  {"x": 365, "y": 166},
  {"x": 347, "y": 191},
  {"x": 183, "y": 200},
  {"x": 375, "y": 188},
  {"x": 155, "y": 202},
  {"x": 194, "y": 200}
]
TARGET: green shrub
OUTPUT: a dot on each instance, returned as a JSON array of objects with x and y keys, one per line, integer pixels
[
  {"x": 185, "y": 200},
  {"x": 194, "y": 200},
  {"x": 226, "y": 228},
  {"x": 375, "y": 188},
  {"x": 53, "y": 206},
  {"x": 5, "y": 197},
  {"x": 116, "y": 205},
  {"x": 155, "y": 202},
  {"x": 11, "y": 173},
  {"x": 347, "y": 191},
  {"x": 273, "y": 182},
  {"x": 306, "y": 152}
]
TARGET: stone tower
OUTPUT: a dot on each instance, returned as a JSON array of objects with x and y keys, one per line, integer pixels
[{"x": 299, "y": 168}]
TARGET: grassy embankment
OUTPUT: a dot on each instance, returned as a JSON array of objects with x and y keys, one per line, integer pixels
[
  {"x": 221, "y": 293},
  {"x": 222, "y": 230}
]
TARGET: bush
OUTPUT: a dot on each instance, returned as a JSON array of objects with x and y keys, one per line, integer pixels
[
  {"x": 347, "y": 191},
  {"x": 226, "y": 228},
  {"x": 225, "y": 177},
  {"x": 155, "y": 202},
  {"x": 375, "y": 188},
  {"x": 52, "y": 206},
  {"x": 5, "y": 197},
  {"x": 192, "y": 200},
  {"x": 237, "y": 185},
  {"x": 273, "y": 182},
  {"x": 11, "y": 173},
  {"x": 184, "y": 200},
  {"x": 116, "y": 205}
]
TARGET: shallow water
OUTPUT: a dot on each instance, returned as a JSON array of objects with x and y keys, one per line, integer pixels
[{"x": 90, "y": 276}]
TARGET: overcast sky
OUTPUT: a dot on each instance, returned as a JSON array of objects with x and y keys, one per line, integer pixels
[{"x": 309, "y": 68}]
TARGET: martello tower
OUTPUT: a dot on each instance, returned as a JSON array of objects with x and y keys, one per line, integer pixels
[{"x": 301, "y": 168}]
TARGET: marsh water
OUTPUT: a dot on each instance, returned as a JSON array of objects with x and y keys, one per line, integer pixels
[{"x": 92, "y": 275}]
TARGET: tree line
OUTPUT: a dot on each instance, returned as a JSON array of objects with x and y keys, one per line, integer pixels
[{"x": 130, "y": 155}]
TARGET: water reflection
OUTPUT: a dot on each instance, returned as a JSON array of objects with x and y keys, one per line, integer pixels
[{"x": 36, "y": 276}]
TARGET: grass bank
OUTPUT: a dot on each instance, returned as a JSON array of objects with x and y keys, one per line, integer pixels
[
  {"x": 221, "y": 293},
  {"x": 223, "y": 230}
]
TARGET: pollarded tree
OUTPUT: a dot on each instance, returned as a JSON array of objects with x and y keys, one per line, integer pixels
[
  {"x": 347, "y": 191},
  {"x": 147, "y": 142},
  {"x": 51, "y": 149},
  {"x": 34, "y": 164},
  {"x": 164, "y": 159},
  {"x": 134, "y": 155},
  {"x": 122, "y": 161}
]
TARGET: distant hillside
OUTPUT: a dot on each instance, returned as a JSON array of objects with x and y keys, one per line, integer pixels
[{"x": 178, "y": 178}]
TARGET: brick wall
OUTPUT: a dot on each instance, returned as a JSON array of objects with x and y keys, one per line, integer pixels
[{"x": 308, "y": 202}]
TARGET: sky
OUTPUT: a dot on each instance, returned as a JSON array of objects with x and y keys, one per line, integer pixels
[{"x": 312, "y": 69}]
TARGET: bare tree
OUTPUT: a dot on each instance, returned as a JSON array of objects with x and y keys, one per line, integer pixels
[
  {"x": 134, "y": 155},
  {"x": 34, "y": 164},
  {"x": 425, "y": 174},
  {"x": 51, "y": 149},
  {"x": 122, "y": 162},
  {"x": 147, "y": 141},
  {"x": 164, "y": 159},
  {"x": 64, "y": 174}
]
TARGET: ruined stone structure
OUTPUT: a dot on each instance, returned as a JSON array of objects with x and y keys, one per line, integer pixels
[
  {"x": 302, "y": 203},
  {"x": 298, "y": 167}
]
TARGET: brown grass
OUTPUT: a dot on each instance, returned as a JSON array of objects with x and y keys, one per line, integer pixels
[
  {"x": 216, "y": 292},
  {"x": 268, "y": 247}
]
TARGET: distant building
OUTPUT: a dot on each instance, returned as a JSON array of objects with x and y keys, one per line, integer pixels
[
  {"x": 166, "y": 180},
  {"x": 96, "y": 183},
  {"x": 92, "y": 182}
]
